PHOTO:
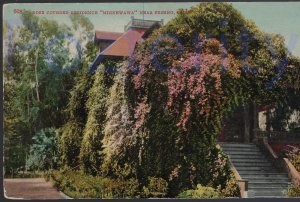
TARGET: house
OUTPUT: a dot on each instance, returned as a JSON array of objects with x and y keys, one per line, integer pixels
[
  {"x": 239, "y": 127},
  {"x": 116, "y": 45}
]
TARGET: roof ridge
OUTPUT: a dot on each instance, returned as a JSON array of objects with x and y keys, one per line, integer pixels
[{"x": 109, "y": 32}]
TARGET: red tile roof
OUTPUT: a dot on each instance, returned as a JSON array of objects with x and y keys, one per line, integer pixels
[
  {"x": 107, "y": 35},
  {"x": 125, "y": 44}
]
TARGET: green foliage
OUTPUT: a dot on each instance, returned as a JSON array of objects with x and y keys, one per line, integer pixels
[
  {"x": 215, "y": 19},
  {"x": 119, "y": 158},
  {"x": 91, "y": 146},
  {"x": 170, "y": 92},
  {"x": 13, "y": 141},
  {"x": 76, "y": 112},
  {"x": 220, "y": 20},
  {"x": 231, "y": 188},
  {"x": 43, "y": 151},
  {"x": 81, "y": 21},
  {"x": 79, "y": 185},
  {"x": 294, "y": 190},
  {"x": 28, "y": 174},
  {"x": 157, "y": 188},
  {"x": 69, "y": 144},
  {"x": 144, "y": 123},
  {"x": 201, "y": 192},
  {"x": 293, "y": 154},
  {"x": 159, "y": 114},
  {"x": 76, "y": 184},
  {"x": 14, "y": 150},
  {"x": 287, "y": 103},
  {"x": 213, "y": 170},
  {"x": 284, "y": 108},
  {"x": 37, "y": 83}
]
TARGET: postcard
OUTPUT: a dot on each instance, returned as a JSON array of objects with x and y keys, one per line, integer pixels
[{"x": 185, "y": 100}]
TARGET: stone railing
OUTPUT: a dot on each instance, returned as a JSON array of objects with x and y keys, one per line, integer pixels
[
  {"x": 294, "y": 175},
  {"x": 243, "y": 184},
  {"x": 276, "y": 136},
  {"x": 140, "y": 23},
  {"x": 263, "y": 139}
]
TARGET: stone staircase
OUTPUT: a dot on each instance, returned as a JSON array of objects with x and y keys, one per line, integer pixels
[{"x": 264, "y": 180}]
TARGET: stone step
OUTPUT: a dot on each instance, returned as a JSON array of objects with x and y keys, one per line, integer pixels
[
  {"x": 238, "y": 146},
  {"x": 269, "y": 196},
  {"x": 250, "y": 158},
  {"x": 230, "y": 145},
  {"x": 266, "y": 185},
  {"x": 257, "y": 164},
  {"x": 280, "y": 196},
  {"x": 240, "y": 149},
  {"x": 262, "y": 160},
  {"x": 258, "y": 169},
  {"x": 266, "y": 194},
  {"x": 275, "y": 174},
  {"x": 266, "y": 179},
  {"x": 245, "y": 153},
  {"x": 245, "y": 156},
  {"x": 267, "y": 189},
  {"x": 252, "y": 172}
]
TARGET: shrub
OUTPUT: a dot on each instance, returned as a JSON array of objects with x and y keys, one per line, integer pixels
[
  {"x": 156, "y": 188},
  {"x": 27, "y": 174},
  {"x": 222, "y": 177},
  {"x": 90, "y": 151},
  {"x": 215, "y": 172},
  {"x": 201, "y": 192},
  {"x": 231, "y": 189},
  {"x": 293, "y": 154},
  {"x": 43, "y": 151},
  {"x": 131, "y": 188},
  {"x": 76, "y": 184},
  {"x": 294, "y": 190}
]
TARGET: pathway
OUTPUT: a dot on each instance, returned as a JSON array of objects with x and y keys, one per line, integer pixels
[{"x": 30, "y": 188}]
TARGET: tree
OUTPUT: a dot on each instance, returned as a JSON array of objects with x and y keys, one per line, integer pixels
[
  {"x": 82, "y": 29},
  {"x": 43, "y": 154},
  {"x": 197, "y": 70},
  {"x": 14, "y": 124},
  {"x": 287, "y": 104},
  {"x": 96, "y": 105},
  {"x": 37, "y": 70},
  {"x": 118, "y": 137},
  {"x": 76, "y": 112},
  {"x": 184, "y": 111}
]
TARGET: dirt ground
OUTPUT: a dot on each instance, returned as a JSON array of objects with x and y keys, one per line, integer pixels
[{"x": 30, "y": 188}]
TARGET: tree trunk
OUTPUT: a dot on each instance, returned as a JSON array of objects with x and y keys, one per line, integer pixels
[
  {"x": 255, "y": 117},
  {"x": 28, "y": 106},
  {"x": 255, "y": 122},
  {"x": 36, "y": 74},
  {"x": 247, "y": 124},
  {"x": 28, "y": 114},
  {"x": 141, "y": 152}
]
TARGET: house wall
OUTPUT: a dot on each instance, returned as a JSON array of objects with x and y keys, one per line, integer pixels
[{"x": 103, "y": 44}]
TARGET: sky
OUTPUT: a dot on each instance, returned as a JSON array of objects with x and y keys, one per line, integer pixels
[{"x": 272, "y": 17}]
